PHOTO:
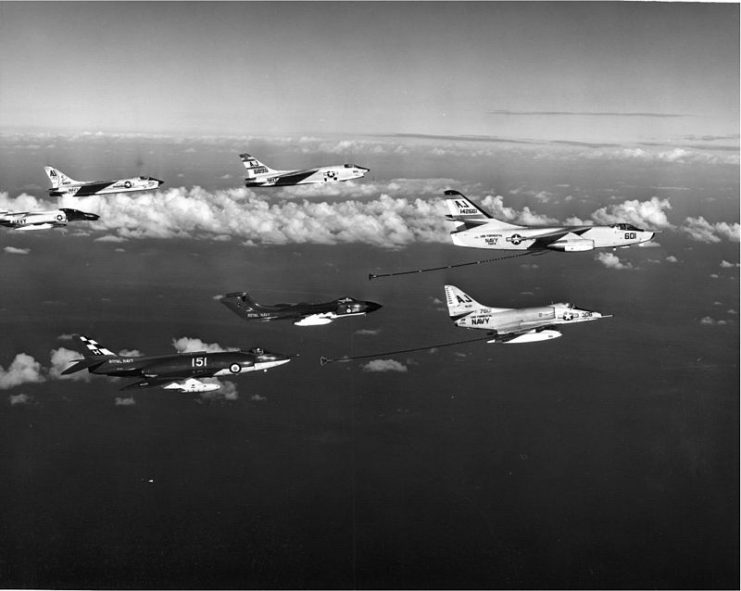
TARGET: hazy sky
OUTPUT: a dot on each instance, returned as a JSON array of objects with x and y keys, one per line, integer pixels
[{"x": 509, "y": 69}]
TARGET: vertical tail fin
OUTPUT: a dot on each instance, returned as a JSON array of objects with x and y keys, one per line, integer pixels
[
  {"x": 239, "y": 302},
  {"x": 254, "y": 166},
  {"x": 464, "y": 210},
  {"x": 94, "y": 349},
  {"x": 57, "y": 178},
  {"x": 459, "y": 303}
]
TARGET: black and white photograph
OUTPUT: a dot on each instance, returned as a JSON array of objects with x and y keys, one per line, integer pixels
[{"x": 369, "y": 295}]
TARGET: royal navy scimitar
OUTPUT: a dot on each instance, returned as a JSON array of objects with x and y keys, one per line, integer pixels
[{"x": 165, "y": 370}]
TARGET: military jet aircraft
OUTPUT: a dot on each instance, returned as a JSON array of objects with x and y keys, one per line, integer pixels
[
  {"x": 260, "y": 175},
  {"x": 25, "y": 221},
  {"x": 303, "y": 314},
  {"x": 480, "y": 230},
  {"x": 513, "y": 325},
  {"x": 164, "y": 370},
  {"x": 62, "y": 185}
]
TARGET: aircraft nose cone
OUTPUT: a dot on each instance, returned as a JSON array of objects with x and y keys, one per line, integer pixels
[
  {"x": 372, "y": 306},
  {"x": 92, "y": 216}
]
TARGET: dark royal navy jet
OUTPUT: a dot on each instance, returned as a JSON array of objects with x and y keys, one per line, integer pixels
[
  {"x": 302, "y": 314},
  {"x": 165, "y": 370},
  {"x": 62, "y": 185},
  {"x": 260, "y": 175}
]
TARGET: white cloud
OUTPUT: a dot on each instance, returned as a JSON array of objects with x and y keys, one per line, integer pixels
[
  {"x": 191, "y": 345},
  {"x": 611, "y": 261},
  {"x": 368, "y": 331},
  {"x": 714, "y": 276},
  {"x": 14, "y": 250},
  {"x": 130, "y": 353},
  {"x": 228, "y": 390},
  {"x": 60, "y": 360},
  {"x": 23, "y": 399},
  {"x": 726, "y": 265},
  {"x": 383, "y": 365},
  {"x": 644, "y": 214},
  {"x": 125, "y": 401},
  {"x": 257, "y": 398},
  {"x": 23, "y": 369},
  {"x": 672, "y": 259},
  {"x": 110, "y": 238},
  {"x": 708, "y": 321},
  {"x": 66, "y": 337},
  {"x": 701, "y": 230}
]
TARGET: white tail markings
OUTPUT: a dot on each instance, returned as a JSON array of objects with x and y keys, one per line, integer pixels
[
  {"x": 95, "y": 348},
  {"x": 57, "y": 178},
  {"x": 464, "y": 210},
  {"x": 459, "y": 303},
  {"x": 254, "y": 166}
]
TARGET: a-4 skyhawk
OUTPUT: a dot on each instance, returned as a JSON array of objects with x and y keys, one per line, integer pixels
[
  {"x": 25, "y": 221},
  {"x": 260, "y": 175},
  {"x": 165, "y": 370},
  {"x": 302, "y": 314},
  {"x": 62, "y": 185},
  {"x": 478, "y": 229},
  {"x": 513, "y": 325}
]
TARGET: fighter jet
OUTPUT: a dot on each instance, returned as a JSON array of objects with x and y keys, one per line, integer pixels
[
  {"x": 260, "y": 175},
  {"x": 62, "y": 185},
  {"x": 480, "y": 230},
  {"x": 513, "y": 325},
  {"x": 25, "y": 221},
  {"x": 302, "y": 314},
  {"x": 165, "y": 370}
]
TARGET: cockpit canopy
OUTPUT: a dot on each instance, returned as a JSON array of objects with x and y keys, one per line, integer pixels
[
  {"x": 148, "y": 178},
  {"x": 628, "y": 227}
]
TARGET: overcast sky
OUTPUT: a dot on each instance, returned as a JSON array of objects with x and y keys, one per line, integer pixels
[{"x": 639, "y": 70}]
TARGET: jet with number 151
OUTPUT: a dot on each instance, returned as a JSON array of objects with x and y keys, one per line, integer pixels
[
  {"x": 478, "y": 229},
  {"x": 165, "y": 370}
]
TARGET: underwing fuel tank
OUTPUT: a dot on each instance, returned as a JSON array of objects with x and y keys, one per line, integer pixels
[
  {"x": 192, "y": 385},
  {"x": 313, "y": 321},
  {"x": 572, "y": 245},
  {"x": 530, "y": 337}
]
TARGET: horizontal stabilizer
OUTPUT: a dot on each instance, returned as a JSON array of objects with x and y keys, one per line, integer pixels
[{"x": 81, "y": 364}]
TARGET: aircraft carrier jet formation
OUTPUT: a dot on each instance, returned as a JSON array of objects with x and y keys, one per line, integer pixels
[{"x": 165, "y": 370}]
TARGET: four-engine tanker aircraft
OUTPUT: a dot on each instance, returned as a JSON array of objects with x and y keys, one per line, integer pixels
[
  {"x": 259, "y": 175},
  {"x": 513, "y": 325},
  {"x": 62, "y": 185},
  {"x": 25, "y": 221},
  {"x": 302, "y": 314},
  {"x": 480, "y": 230},
  {"x": 165, "y": 370}
]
